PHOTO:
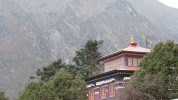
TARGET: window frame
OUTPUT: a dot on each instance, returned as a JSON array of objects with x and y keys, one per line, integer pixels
[
  {"x": 102, "y": 92},
  {"x": 91, "y": 94},
  {"x": 130, "y": 61},
  {"x": 111, "y": 89}
]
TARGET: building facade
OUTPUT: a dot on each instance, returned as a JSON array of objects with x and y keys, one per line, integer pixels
[{"x": 117, "y": 69}]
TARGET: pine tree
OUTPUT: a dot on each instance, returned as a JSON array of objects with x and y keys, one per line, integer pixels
[
  {"x": 50, "y": 70},
  {"x": 86, "y": 59}
]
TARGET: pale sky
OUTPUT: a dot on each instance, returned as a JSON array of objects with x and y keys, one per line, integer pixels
[{"x": 171, "y": 3}]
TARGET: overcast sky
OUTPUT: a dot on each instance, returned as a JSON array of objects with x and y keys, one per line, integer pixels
[{"x": 171, "y": 3}]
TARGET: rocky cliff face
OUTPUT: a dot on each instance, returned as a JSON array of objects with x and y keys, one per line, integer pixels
[{"x": 36, "y": 32}]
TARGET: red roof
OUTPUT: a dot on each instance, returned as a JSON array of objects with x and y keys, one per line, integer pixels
[
  {"x": 137, "y": 49},
  {"x": 131, "y": 48}
]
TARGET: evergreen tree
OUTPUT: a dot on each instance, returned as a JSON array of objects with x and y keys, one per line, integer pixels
[
  {"x": 60, "y": 81},
  {"x": 161, "y": 63},
  {"x": 148, "y": 87},
  {"x": 37, "y": 91},
  {"x": 86, "y": 58},
  {"x": 2, "y": 97},
  {"x": 85, "y": 62},
  {"x": 63, "y": 86},
  {"x": 68, "y": 87},
  {"x": 49, "y": 71}
]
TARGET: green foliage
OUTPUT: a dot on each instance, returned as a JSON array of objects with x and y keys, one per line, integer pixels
[
  {"x": 161, "y": 63},
  {"x": 50, "y": 70},
  {"x": 85, "y": 63},
  {"x": 2, "y": 97},
  {"x": 63, "y": 86},
  {"x": 143, "y": 88},
  {"x": 86, "y": 58},
  {"x": 67, "y": 87},
  {"x": 37, "y": 91},
  {"x": 60, "y": 81}
]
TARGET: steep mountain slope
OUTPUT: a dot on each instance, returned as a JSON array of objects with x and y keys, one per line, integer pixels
[
  {"x": 36, "y": 32},
  {"x": 162, "y": 17}
]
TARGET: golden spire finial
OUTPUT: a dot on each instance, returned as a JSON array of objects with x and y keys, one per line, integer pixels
[{"x": 132, "y": 39}]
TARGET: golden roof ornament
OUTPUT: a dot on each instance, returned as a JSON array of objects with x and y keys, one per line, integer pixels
[
  {"x": 132, "y": 43},
  {"x": 132, "y": 39}
]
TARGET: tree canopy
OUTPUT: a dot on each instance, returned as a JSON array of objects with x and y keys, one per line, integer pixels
[
  {"x": 68, "y": 87},
  {"x": 86, "y": 58},
  {"x": 37, "y": 91},
  {"x": 63, "y": 86},
  {"x": 60, "y": 81},
  {"x": 85, "y": 62},
  {"x": 50, "y": 70},
  {"x": 162, "y": 66},
  {"x": 2, "y": 96}
]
